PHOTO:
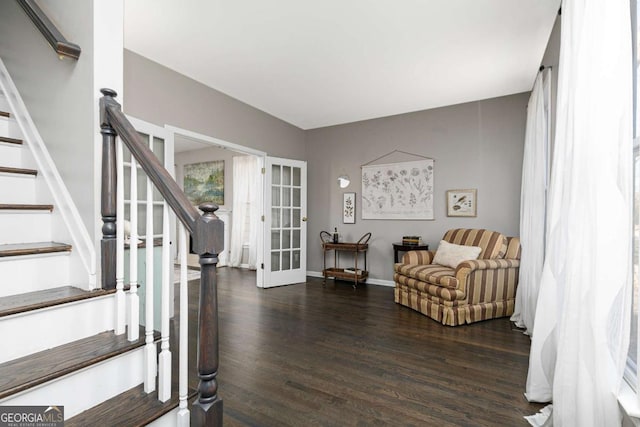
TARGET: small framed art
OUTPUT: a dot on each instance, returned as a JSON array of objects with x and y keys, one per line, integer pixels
[
  {"x": 462, "y": 202},
  {"x": 349, "y": 208}
]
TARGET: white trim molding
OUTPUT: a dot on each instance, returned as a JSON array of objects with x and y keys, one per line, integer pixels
[{"x": 370, "y": 281}]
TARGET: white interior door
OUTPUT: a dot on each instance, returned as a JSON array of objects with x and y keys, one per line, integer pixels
[{"x": 285, "y": 257}]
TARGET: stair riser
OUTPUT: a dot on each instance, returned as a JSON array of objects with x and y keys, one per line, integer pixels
[
  {"x": 83, "y": 389},
  {"x": 39, "y": 330},
  {"x": 25, "y": 226},
  {"x": 167, "y": 420},
  {"x": 33, "y": 273},
  {"x": 17, "y": 189},
  {"x": 4, "y": 104},
  {"x": 9, "y": 127},
  {"x": 11, "y": 155}
]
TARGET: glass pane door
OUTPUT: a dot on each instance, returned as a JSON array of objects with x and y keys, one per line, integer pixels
[{"x": 286, "y": 198}]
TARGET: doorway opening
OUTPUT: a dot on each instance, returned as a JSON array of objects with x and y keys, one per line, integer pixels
[{"x": 230, "y": 175}]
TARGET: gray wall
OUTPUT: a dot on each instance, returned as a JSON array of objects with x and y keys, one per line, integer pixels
[
  {"x": 58, "y": 93},
  {"x": 475, "y": 145},
  {"x": 159, "y": 95}
]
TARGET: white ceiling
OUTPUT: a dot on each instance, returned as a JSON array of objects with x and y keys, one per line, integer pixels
[{"x": 327, "y": 62}]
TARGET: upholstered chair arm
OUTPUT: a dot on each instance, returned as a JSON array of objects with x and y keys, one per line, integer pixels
[
  {"x": 485, "y": 264},
  {"x": 418, "y": 257},
  {"x": 483, "y": 280}
]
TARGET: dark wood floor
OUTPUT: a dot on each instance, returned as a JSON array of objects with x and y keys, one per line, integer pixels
[{"x": 305, "y": 355}]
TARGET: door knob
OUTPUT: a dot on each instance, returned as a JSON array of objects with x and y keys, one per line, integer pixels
[{"x": 304, "y": 218}]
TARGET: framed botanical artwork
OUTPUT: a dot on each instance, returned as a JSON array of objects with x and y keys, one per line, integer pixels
[
  {"x": 462, "y": 202},
  {"x": 398, "y": 190},
  {"x": 349, "y": 208},
  {"x": 204, "y": 182}
]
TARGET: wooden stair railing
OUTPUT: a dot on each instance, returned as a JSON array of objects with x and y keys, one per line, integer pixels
[
  {"x": 208, "y": 241},
  {"x": 58, "y": 42}
]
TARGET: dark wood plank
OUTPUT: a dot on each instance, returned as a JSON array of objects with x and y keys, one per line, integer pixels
[
  {"x": 18, "y": 171},
  {"x": 313, "y": 355},
  {"x": 10, "y": 140},
  {"x": 133, "y": 408},
  {"x": 308, "y": 355},
  {"x": 5, "y": 114},
  {"x": 19, "y": 249},
  {"x": 26, "y": 372},
  {"x": 24, "y": 207},
  {"x": 14, "y": 304}
]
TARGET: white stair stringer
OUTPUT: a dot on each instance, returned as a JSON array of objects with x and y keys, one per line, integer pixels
[
  {"x": 29, "y": 273},
  {"x": 25, "y": 226},
  {"x": 50, "y": 327},
  {"x": 85, "y": 388}
]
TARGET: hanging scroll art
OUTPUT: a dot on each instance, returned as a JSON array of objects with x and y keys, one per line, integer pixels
[{"x": 398, "y": 190}]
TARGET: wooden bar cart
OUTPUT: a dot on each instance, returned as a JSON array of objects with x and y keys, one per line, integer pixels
[{"x": 354, "y": 274}]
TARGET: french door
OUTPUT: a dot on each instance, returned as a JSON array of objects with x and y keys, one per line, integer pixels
[{"x": 285, "y": 258}]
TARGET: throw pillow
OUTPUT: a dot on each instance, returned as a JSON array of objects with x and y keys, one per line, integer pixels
[{"x": 450, "y": 255}]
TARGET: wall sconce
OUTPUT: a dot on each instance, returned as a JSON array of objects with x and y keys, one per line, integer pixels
[{"x": 343, "y": 180}]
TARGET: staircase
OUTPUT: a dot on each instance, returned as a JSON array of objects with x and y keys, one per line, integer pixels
[{"x": 59, "y": 346}]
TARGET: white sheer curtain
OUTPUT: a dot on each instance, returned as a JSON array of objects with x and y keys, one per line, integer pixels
[
  {"x": 581, "y": 329},
  {"x": 533, "y": 202},
  {"x": 246, "y": 212}
]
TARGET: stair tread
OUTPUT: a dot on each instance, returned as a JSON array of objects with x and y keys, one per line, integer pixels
[
  {"x": 19, "y": 171},
  {"x": 24, "y": 207},
  {"x": 4, "y": 114},
  {"x": 36, "y": 300},
  {"x": 132, "y": 408},
  {"x": 10, "y": 140},
  {"x": 29, "y": 371},
  {"x": 16, "y": 249}
]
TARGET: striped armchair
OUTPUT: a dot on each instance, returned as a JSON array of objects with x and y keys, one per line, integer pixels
[{"x": 476, "y": 290}]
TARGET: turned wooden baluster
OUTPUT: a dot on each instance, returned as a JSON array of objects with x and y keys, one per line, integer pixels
[
  {"x": 208, "y": 242},
  {"x": 108, "y": 198}
]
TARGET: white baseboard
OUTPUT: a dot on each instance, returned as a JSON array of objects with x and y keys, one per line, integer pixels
[
  {"x": 380, "y": 282},
  {"x": 370, "y": 281},
  {"x": 314, "y": 274}
]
